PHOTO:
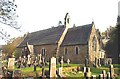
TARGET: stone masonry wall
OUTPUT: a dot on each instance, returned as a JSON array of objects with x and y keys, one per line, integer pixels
[
  {"x": 74, "y": 58},
  {"x": 49, "y": 49}
]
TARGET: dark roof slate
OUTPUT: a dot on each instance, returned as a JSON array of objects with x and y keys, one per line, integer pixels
[
  {"x": 77, "y": 35},
  {"x": 48, "y": 36}
]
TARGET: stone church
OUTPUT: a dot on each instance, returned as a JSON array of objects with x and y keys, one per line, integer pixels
[{"x": 76, "y": 43}]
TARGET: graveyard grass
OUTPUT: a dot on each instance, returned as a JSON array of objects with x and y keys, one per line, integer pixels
[{"x": 28, "y": 71}]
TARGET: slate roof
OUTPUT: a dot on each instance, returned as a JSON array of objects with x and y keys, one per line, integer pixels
[
  {"x": 75, "y": 35},
  {"x": 78, "y": 35},
  {"x": 48, "y": 36}
]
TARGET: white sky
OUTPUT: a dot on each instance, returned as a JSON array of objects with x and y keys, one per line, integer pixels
[{"x": 42, "y": 14}]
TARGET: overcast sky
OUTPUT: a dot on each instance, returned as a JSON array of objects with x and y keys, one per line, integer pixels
[{"x": 36, "y": 15}]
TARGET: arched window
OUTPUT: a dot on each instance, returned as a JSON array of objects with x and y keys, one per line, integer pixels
[
  {"x": 65, "y": 51},
  {"x": 43, "y": 51},
  {"x": 76, "y": 50},
  {"x": 94, "y": 44}
]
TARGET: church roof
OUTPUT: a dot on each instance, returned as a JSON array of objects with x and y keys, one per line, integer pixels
[
  {"x": 48, "y": 36},
  {"x": 75, "y": 35},
  {"x": 78, "y": 35}
]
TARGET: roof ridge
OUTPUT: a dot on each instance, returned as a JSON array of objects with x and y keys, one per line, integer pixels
[{"x": 47, "y": 29}]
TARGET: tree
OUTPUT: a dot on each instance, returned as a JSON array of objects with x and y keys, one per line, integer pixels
[
  {"x": 11, "y": 46},
  {"x": 112, "y": 45},
  {"x": 8, "y": 16}
]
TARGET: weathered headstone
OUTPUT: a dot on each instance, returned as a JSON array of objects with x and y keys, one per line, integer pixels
[
  {"x": 29, "y": 61},
  {"x": 84, "y": 69},
  {"x": 100, "y": 76},
  {"x": 93, "y": 77},
  {"x": 43, "y": 67},
  {"x": 78, "y": 68},
  {"x": 62, "y": 61},
  {"x": 68, "y": 62},
  {"x": 39, "y": 58},
  {"x": 60, "y": 71},
  {"x": 24, "y": 61},
  {"x": 99, "y": 64},
  {"x": 96, "y": 62},
  {"x": 105, "y": 61},
  {"x": 19, "y": 62},
  {"x": 109, "y": 61},
  {"x": 11, "y": 63},
  {"x": 104, "y": 74},
  {"x": 86, "y": 62},
  {"x": 35, "y": 64},
  {"x": 108, "y": 75},
  {"x": 87, "y": 73},
  {"x": 111, "y": 69},
  {"x": 53, "y": 67}
]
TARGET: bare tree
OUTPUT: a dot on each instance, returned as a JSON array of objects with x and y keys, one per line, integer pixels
[{"x": 8, "y": 16}]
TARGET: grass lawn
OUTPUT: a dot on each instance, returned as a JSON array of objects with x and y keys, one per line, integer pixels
[{"x": 29, "y": 71}]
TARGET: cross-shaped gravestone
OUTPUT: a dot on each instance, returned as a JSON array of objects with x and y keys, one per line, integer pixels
[{"x": 68, "y": 61}]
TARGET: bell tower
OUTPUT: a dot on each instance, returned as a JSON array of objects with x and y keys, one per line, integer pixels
[
  {"x": 66, "y": 25},
  {"x": 67, "y": 20}
]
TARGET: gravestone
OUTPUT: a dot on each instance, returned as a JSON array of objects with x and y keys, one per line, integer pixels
[
  {"x": 100, "y": 76},
  {"x": 61, "y": 62},
  {"x": 111, "y": 69},
  {"x": 99, "y": 64},
  {"x": 11, "y": 63},
  {"x": 68, "y": 62},
  {"x": 104, "y": 74},
  {"x": 93, "y": 77},
  {"x": 60, "y": 71},
  {"x": 24, "y": 61},
  {"x": 109, "y": 61},
  {"x": 19, "y": 62},
  {"x": 53, "y": 67},
  {"x": 39, "y": 58},
  {"x": 87, "y": 73},
  {"x": 43, "y": 67},
  {"x": 84, "y": 69},
  {"x": 108, "y": 75},
  {"x": 35, "y": 64},
  {"x": 96, "y": 62},
  {"x": 86, "y": 62},
  {"x": 78, "y": 68},
  {"x": 29, "y": 61}
]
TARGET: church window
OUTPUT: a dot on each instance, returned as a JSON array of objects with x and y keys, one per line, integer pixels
[
  {"x": 65, "y": 51},
  {"x": 94, "y": 44},
  {"x": 43, "y": 51},
  {"x": 76, "y": 50}
]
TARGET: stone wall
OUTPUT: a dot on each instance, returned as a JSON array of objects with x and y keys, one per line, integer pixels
[
  {"x": 49, "y": 49},
  {"x": 74, "y": 58}
]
